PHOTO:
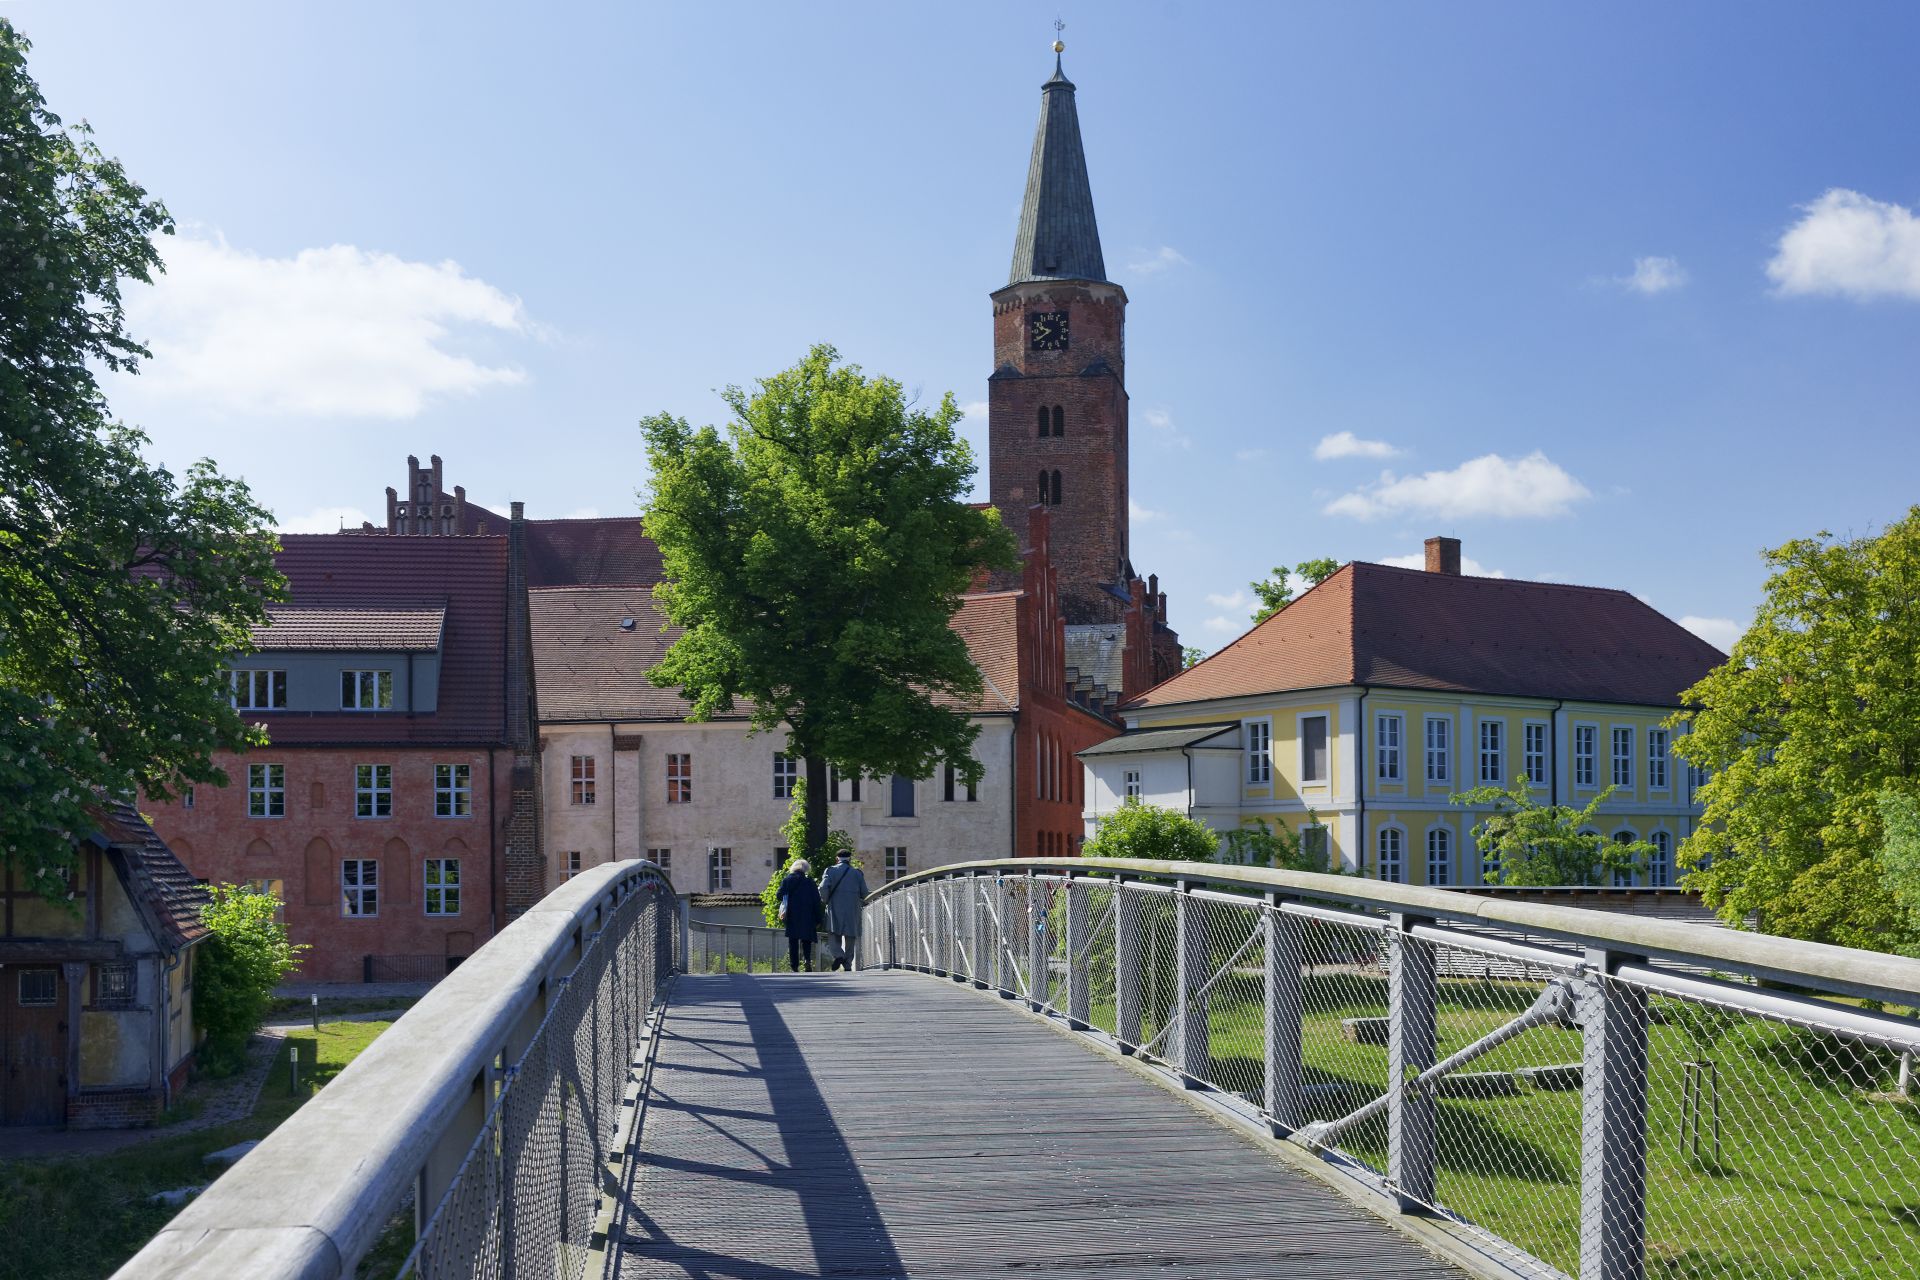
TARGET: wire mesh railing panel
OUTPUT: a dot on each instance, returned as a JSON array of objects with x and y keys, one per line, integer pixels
[
  {"x": 741, "y": 948},
  {"x": 1226, "y": 996},
  {"x": 1047, "y": 942},
  {"x": 1094, "y": 950},
  {"x": 1776, "y": 1150},
  {"x": 1344, "y": 1032}
]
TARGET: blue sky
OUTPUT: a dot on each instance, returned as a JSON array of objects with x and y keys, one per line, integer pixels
[{"x": 1618, "y": 295}]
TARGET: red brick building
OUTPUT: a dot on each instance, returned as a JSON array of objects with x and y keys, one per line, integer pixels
[{"x": 396, "y": 809}]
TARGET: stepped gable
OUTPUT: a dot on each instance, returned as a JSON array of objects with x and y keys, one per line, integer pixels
[{"x": 1378, "y": 625}]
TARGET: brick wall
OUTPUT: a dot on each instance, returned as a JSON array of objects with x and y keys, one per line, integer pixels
[{"x": 114, "y": 1109}]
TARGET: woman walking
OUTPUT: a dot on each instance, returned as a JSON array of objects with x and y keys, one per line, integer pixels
[
  {"x": 843, "y": 890},
  {"x": 800, "y": 912}
]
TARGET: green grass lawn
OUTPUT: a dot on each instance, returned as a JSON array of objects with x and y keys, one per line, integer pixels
[{"x": 80, "y": 1218}]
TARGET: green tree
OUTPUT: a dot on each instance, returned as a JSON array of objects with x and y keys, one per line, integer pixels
[
  {"x": 1139, "y": 830},
  {"x": 123, "y": 591},
  {"x": 1816, "y": 715},
  {"x": 815, "y": 554},
  {"x": 1260, "y": 845},
  {"x": 1900, "y": 860},
  {"x": 793, "y": 834},
  {"x": 236, "y": 971},
  {"x": 1275, "y": 592},
  {"x": 1191, "y": 656},
  {"x": 1540, "y": 844}
]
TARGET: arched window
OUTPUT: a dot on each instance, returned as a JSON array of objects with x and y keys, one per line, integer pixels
[
  {"x": 1439, "y": 856},
  {"x": 1059, "y": 421},
  {"x": 1043, "y": 420},
  {"x": 1623, "y": 879},
  {"x": 1042, "y": 490},
  {"x": 1660, "y": 866},
  {"x": 1056, "y": 488},
  {"x": 1390, "y": 867}
]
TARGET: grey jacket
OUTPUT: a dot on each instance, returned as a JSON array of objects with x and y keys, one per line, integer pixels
[{"x": 842, "y": 890}]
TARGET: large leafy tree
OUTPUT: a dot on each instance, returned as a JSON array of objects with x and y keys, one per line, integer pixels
[
  {"x": 123, "y": 589},
  {"x": 1528, "y": 843},
  {"x": 1815, "y": 718},
  {"x": 815, "y": 552}
]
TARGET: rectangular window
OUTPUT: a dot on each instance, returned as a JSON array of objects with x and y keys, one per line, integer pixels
[
  {"x": 1259, "y": 750},
  {"x": 1697, "y": 776},
  {"x": 896, "y": 862},
  {"x": 719, "y": 870},
  {"x": 902, "y": 806},
  {"x": 1440, "y": 856},
  {"x": 1659, "y": 747},
  {"x": 571, "y": 866},
  {"x": 373, "y": 791},
  {"x": 581, "y": 771},
  {"x": 443, "y": 886},
  {"x": 1493, "y": 752},
  {"x": 274, "y": 888},
  {"x": 39, "y": 988},
  {"x": 1315, "y": 847},
  {"x": 1586, "y": 752},
  {"x": 679, "y": 778},
  {"x": 359, "y": 887},
  {"x": 1533, "y": 754},
  {"x": 1623, "y": 877},
  {"x": 113, "y": 983},
  {"x": 1133, "y": 784},
  {"x": 1313, "y": 748},
  {"x": 661, "y": 858},
  {"x": 366, "y": 690},
  {"x": 1390, "y": 867},
  {"x": 1623, "y": 757},
  {"x": 1660, "y": 864},
  {"x": 973, "y": 792},
  {"x": 452, "y": 790},
  {"x": 266, "y": 791},
  {"x": 259, "y": 690},
  {"x": 786, "y": 771},
  {"x": 1439, "y": 749},
  {"x": 186, "y": 798},
  {"x": 1387, "y": 729},
  {"x": 853, "y": 785}
]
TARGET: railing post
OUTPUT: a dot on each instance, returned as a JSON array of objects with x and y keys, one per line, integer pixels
[
  {"x": 1078, "y": 1003},
  {"x": 1003, "y": 940},
  {"x": 1126, "y": 966},
  {"x": 1036, "y": 945},
  {"x": 893, "y": 934},
  {"x": 1285, "y": 1083},
  {"x": 979, "y": 887},
  {"x": 682, "y": 910},
  {"x": 1613, "y": 1130},
  {"x": 1192, "y": 1054},
  {"x": 1412, "y": 1040}
]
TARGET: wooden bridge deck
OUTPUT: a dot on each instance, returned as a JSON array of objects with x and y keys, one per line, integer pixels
[{"x": 890, "y": 1124}]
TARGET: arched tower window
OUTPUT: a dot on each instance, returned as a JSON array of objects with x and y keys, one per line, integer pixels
[
  {"x": 1059, "y": 421},
  {"x": 1043, "y": 420},
  {"x": 1056, "y": 488},
  {"x": 1046, "y": 495}
]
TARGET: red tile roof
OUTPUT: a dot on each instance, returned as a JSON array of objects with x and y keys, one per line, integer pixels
[
  {"x": 990, "y": 624},
  {"x": 1372, "y": 624},
  {"x": 603, "y": 552},
  {"x": 298, "y": 627},
  {"x": 464, "y": 576},
  {"x": 165, "y": 891}
]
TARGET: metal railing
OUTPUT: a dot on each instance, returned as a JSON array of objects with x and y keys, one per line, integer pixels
[
  {"x": 1564, "y": 1092},
  {"x": 489, "y": 1107},
  {"x": 713, "y": 947}
]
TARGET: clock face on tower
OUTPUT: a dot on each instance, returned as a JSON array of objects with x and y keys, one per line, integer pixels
[{"x": 1047, "y": 330}]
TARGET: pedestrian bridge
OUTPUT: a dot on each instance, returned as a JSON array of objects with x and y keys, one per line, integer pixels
[{"x": 1117, "y": 1069}]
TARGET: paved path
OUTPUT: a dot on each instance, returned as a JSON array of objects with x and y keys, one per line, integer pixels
[{"x": 890, "y": 1124}]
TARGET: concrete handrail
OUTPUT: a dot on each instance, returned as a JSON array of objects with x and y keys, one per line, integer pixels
[
  {"x": 1841, "y": 970},
  {"x": 312, "y": 1199}
]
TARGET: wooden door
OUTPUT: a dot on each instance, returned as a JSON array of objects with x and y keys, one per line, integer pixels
[{"x": 33, "y": 1045}]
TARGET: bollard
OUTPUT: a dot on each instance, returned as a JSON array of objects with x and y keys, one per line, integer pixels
[
  {"x": 316, "y": 1013},
  {"x": 293, "y": 1067}
]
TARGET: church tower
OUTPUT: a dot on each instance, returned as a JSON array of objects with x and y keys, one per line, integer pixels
[{"x": 1057, "y": 398}]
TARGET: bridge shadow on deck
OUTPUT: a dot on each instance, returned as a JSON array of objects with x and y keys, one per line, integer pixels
[{"x": 890, "y": 1124}]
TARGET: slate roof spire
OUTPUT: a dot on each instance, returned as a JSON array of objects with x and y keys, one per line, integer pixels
[{"x": 1058, "y": 239}]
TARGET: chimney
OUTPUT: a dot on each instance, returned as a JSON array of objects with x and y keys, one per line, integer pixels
[{"x": 1443, "y": 556}]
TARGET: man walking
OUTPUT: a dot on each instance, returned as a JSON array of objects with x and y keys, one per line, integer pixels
[{"x": 842, "y": 891}]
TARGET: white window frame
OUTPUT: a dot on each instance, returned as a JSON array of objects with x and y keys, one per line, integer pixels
[
  {"x": 571, "y": 867},
  {"x": 661, "y": 857},
  {"x": 1497, "y": 753},
  {"x": 1390, "y": 747},
  {"x": 1586, "y": 764},
  {"x": 266, "y": 791},
  {"x": 1326, "y": 736},
  {"x": 719, "y": 869},
  {"x": 453, "y": 791},
  {"x": 1259, "y": 750},
  {"x": 1630, "y": 880},
  {"x": 1659, "y": 759},
  {"x": 1528, "y": 729},
  {"x": 1441, "y": 755},
  {"x": 366, "y": 690},
  {"x": 1621, "y": 771},
  {"x": 355, "y": 896},
  {"x": 1399, "y": 835},
  {"x": 434, "y": 881},
  {"x": 1446, "y": 856},
  {"x": 1660, "y": 865},
  {"x": 786, "y": 772},
  {"x": 583, "y": 775},
  {"x": 1325, "y": 837},
  {"x": 1130, "y": 785},
  {"x": 894, "y": 863},
  {"x": 682, "y": 782},
  {"x": 247, "y": 691},
  {"x": 373, "y": 791}
]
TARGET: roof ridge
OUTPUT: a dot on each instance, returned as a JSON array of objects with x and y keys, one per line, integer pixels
[{"x": 1518, "y": 582}]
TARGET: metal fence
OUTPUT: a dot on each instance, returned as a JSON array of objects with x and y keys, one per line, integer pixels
[
  {"x": 713, "y": 947},
  {"x": 1570, "y": 1093},
  {"x": 489, "y": 1107}
]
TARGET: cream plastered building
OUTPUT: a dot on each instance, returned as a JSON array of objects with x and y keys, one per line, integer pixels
[{"x": 1356, "y": 713}]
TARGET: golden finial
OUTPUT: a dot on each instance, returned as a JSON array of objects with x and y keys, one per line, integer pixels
[{"x": 1059, "y": 45}]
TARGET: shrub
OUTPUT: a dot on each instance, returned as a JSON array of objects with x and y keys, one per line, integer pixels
[
  {"x": 1137, "y": 830},
  {"x": 236, "y": 971}
]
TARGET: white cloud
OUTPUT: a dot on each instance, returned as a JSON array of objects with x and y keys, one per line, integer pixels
[
  {"x": 1153, "y": 261},
  {"x": 1654, "y": 275},
  {"x": 1529, "y": 487},
  {"x": 335, "y": 332},
  {"x": 326, "y": 520},
  {"x": 974, "y": 410},
  {"x": 1468, "y": 565},
  {"x": 1849, "y": 244},
  {"x": 1138, "y": 512},
  {"x": 1249, "y": 455},
  {"x": 1718, "y": 632},
  {"x": 1345, "y": 444},
  {"x": 1224, "y": 626},
  {"x": 1231, "y": 600},
  {"x": 1162, "y": 421}
]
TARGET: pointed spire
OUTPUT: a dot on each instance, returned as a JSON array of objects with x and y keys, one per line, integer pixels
[{"x": 1057, "y": 239}]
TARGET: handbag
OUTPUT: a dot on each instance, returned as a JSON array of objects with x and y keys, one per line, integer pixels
[{"x": 783, "y": 908}]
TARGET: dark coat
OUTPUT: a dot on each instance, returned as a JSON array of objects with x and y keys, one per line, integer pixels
[
  {"x": 845, "y": 889},
  {"x": 803, "y": 905}
]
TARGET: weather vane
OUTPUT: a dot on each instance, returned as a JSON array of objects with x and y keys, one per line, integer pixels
[{"x": 1059, "y": 45}]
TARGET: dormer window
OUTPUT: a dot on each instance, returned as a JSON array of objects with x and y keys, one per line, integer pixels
[{"x": 366, "y": 690}]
